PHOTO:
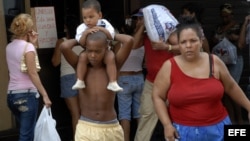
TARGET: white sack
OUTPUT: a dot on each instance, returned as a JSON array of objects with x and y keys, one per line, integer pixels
[
  {"x": 159, "y": 22},
  {"x": 45, "y": 129}
]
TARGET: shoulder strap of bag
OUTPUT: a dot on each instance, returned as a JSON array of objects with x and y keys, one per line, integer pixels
[
  {"x": 211, "y": 62},
  {"x": 26, "y": 45}
]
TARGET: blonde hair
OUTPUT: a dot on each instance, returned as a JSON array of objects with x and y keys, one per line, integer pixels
[{"x": 21, "y": 25}]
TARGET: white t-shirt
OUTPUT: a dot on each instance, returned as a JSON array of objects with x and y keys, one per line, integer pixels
[
  {"x": 102, "y": 22},
  {"x": 134, "y": 60}
]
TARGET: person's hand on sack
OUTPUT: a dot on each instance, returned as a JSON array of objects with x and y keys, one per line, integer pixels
[
  {"x": 160, "y": 45},
  {"x": 47, "y": 101}
]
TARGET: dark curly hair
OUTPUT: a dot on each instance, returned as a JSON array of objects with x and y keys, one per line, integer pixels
[{"x": 189, "y": 22}]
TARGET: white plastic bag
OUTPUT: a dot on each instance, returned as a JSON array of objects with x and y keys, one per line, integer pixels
[
  {"x": 159, "y": 22},
  {"x": 226, "y": 51},
  {"x": 45, "y": 129}
]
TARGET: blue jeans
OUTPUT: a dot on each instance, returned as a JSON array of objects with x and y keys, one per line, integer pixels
[
  {"x": 236, "y": 69},
  {"x": 67, "y": 81},
  {"x": 129, "y": 98},
  {"x": 24, "y": 106},
  {"x": 202, "y": 133}
]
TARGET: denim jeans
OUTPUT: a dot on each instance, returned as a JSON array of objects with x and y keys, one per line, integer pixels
[
  {"x": 236, "y": 69},
  {"x": 24, "y": 106},
  {"x": 66, "y": 83},
  {"x": 129, "y": 98}
]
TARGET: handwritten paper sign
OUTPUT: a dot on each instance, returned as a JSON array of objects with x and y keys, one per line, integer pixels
[{"x": 45, "y": 25}]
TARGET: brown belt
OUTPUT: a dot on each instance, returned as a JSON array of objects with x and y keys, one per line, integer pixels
[{"x": 130, "y": 72}]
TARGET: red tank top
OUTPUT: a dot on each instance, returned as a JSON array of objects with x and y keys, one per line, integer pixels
[
  {"x": 154, "y": 59},
  {"x": 195, "y": 101}
]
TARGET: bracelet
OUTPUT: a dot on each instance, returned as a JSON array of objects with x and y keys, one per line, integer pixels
[{"x": 169, "y": 47}]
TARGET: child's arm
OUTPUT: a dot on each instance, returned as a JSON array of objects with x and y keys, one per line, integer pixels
[
  {"x": 88, "y": 31},
  {"x": 81, "y": 68},
  {"x": 106, "y": 32},
  {"x": 85, "y": 33},
  {"x": 82, "y": 32}
]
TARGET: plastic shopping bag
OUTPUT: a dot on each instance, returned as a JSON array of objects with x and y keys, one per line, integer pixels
[
  {"x": 159, "y": 22},
  {"x": 45, "y": 129},
  {"x": 226, "y": 51}
]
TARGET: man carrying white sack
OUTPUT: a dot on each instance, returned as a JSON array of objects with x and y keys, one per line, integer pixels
[{"x": 156, "y": 52}]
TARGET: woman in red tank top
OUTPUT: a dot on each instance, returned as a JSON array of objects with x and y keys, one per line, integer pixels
[{"x": 195, "y": 83}]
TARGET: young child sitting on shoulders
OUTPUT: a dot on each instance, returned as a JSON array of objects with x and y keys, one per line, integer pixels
[{"x": 93, "y": 22}]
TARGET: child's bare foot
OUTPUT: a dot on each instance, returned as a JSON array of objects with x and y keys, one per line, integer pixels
[
  {"x": 113, "y": 86},
  {"x": 78, "y": 85}
]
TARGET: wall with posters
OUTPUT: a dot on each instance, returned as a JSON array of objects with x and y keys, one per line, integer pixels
[{"x": 44, "y": 18}]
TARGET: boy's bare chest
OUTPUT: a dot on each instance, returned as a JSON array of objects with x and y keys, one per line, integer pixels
[{"x": 96, "y": 78}]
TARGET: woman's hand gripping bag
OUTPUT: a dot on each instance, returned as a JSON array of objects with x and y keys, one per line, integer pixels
[
  {"x": 159, "y": 22},
  {"x": 45, "y": 129}
]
